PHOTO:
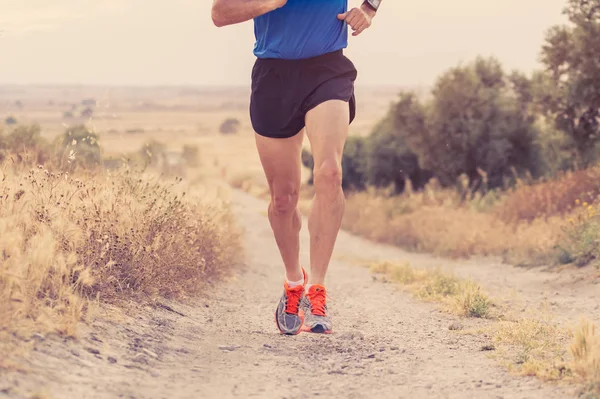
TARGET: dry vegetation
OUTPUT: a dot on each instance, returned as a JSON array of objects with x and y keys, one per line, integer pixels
[
  {"x": 531, "y": 345},
  {"x": 71, "y": 240},
  {"x": 462, "y": 297},
  {"x": 547, "y": 222}
]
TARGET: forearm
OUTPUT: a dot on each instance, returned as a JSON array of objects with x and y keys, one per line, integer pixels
[{"x": 229, "y": 12}]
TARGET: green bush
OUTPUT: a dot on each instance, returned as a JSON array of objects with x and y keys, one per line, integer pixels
[
  {"x": 80, "y": 147},
  {"x": 389, "y": 160},
  {"x": 473, "y": 125}
]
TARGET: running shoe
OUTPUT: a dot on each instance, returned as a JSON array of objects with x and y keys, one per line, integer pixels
[
  {"x": 314, "y": 307},
  {"x": 288, "y": 316}
]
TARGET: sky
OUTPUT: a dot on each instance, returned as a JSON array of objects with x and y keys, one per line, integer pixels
[{"x": 158, "y": 42}]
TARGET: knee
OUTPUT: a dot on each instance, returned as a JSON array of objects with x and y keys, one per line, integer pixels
[
  {"x": 328, "y": 176},
  {"x": 284, "y": 201}
]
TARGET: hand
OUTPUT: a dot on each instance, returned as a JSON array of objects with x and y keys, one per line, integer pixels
[{"x": 359, "y": 19}]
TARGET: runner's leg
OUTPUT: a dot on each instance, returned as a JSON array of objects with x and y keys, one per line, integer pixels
[
  {"x": 327, "y": 129},
  {"x": 281, "y": 161}
]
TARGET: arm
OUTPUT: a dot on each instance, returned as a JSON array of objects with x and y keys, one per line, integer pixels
[{"x": 229, "y": 12}]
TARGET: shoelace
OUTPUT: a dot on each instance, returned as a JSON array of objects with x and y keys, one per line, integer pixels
[
  {"x": 317, "y": 301},
  {"x": 294, "y": 295}
]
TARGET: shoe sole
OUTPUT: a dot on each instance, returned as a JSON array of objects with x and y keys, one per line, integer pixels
[{"x": 318, "y": 329}]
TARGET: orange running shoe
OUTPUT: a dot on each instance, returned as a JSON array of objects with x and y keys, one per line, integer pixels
[
  {"x": 314, "y": 307},
  {"x": 288, "y": 316}
]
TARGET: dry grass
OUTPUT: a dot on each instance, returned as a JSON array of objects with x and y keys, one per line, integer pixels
[
  {"x": 585, "y": 350},
  {"x": 65, "y": 240},
  {"x": 553, "y": 197},
  {"x": 439, "y": 224},
  {"x": 533, "y": 347},
  {"x": 540, "y": 348},
  {"x": 462, "y": 297}
]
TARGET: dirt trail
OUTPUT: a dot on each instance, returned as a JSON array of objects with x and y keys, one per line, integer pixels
[{"x": 386, "y": 345}]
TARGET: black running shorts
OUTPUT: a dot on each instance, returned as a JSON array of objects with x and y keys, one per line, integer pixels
[{"x": 283, "y": 91}]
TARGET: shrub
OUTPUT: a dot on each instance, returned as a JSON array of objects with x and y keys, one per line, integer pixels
[
  {"x": 389, "y": 160},
  {"x": 229, "y": 126},
  {"x": 191, "y": 155},
  {"x": 10, "y": 120},
  {"x": 551, "y": 197},
  {"x": 25, "y": 144},
  {"x": 115, "y": 236},
  {"x": 354, "y": 164},
  {"x": 80, "y": 147}
]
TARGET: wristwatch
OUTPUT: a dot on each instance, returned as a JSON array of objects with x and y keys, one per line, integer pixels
[{"x": 373, "y": 4}]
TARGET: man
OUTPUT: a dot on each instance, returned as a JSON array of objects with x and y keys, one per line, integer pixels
[{"x": 301, "y": 81}]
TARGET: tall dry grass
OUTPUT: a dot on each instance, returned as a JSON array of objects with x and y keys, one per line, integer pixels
[
  {"x": 66, "y": 240},
  {"x": 528, "y": 202},
  {"x": 437, "y": 221}
]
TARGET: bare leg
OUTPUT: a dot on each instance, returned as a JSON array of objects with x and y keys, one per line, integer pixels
[
  {"x": 327, "y": 130},
  {"x": 281, "y": 160}
]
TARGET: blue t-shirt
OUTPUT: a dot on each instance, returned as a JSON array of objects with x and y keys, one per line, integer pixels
[{"x": 301, "y": 29}]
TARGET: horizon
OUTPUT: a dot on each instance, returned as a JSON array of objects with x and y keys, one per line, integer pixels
[{"x": 132, "y": 43}]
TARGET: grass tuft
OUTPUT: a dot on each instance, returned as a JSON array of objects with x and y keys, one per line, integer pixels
[{"x": 462, "y": 297}]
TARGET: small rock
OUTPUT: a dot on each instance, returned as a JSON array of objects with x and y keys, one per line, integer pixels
[
  {"x": 38, "y": 336},
  {"x": 498, "y": 385},
  {"x": 75, "y": 352},
  {"x": 394, "y": 348},
  {"x": 351, "y": 335},
  {"x": 489, "y": 347},
  {"x": 93, "y": 351},
  {"x": 371, "y": 356},
  {"x": 150, "y": 353},
  {"x": 455, "y": 326},
  {"x": 112, "y": 360},
  {"x": 95, "y": 338},
  {"x": 267, "y": 346},
  {"x": 229, "y": 348},
  {"x": 381, "y": 349}
]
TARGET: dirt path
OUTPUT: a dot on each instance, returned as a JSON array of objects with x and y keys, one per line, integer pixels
[{"x": 386, "y": 344}]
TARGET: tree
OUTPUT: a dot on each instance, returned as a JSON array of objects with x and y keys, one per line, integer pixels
[
  {"x": 474, "y": 125},
  {"x": 571, "y": 55},
  {"x": 229, "y": 126},
  {"x": 87, "y": 113},
  {"x": 354, "y": 164},
  {"x": 390, "y": 162}
]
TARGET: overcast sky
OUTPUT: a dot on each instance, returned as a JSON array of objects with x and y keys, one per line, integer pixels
[{"x": 158, "y": 42}]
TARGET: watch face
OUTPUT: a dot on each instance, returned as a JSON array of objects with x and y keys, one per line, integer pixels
[{"x": 375, "y": 3}]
